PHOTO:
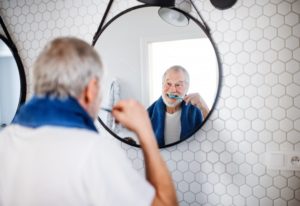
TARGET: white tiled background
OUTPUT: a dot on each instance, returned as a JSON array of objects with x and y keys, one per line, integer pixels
[{"x": 259, "y": 106}]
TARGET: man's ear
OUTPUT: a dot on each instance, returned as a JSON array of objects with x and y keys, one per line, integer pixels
[
  {"x": 89, "y": 93},
  {"x": 91, "y": 90}
]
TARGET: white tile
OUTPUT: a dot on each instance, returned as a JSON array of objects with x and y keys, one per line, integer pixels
[
  {"x": 183, "y": 186},
  {"x": 201, "y": 198},
  {"x": 245, "y": 147},
  {"x": 285, "y": 55},
  {"x": 262, "y": 21},
  {"x": 239, "y": 179},
  {"x": 226, "y": 200},
  {"x": 273, "y": 192},
  {"x": 238, "y": 157},
  {"x": 194, "y": 166},
  {"x": 176, "y": 155},
  {"x": 266, "y": 181},
  {"x": 263, "y": 44},
  {"x": 213, "y": 178},
  {"x": 266, "y": 201},
  {"x": 293, "y": 90},
  {"x": 245, "y": 190},
  {"x": 252, "y": 201},
  {"x": 206, "y": 167},
  {"x": 277, "y": 20},
  {"x": 270, "y": 32},
  {"x": 182, "y": 166},
  {"x": 291, "y": 19},
  {"x": 219, "y": 146},
  {"x": 189, "y": 177},
  {"x": 277, "y": 44},
  {"x": 232, "y": 168},
  {"x": 212, "y": 157},
  {"x": 258, "y": 147},
  {"x": 280, "y": 182},
  {"x": 188, "y": 156},
  {"x": 278, "y": 113},
  {"x": 239, "y": 200},
  {"x": 293, "y": 202},
  {"x": 284, "y": 8},
  {"x": 292, "y": 66},
  {"x": 225, "y": 157},
  {"x": 213, "y": 199},
  {"x": 280, "y": 202},
  {"x": 287, "y": 193},
  {"x": 177, "y": 176},
  {"x": 189, "y": 197},
  {"x": 219, "y": 189},
  {"x": 195, "y": 187},
  {"x": 293, "y": 137},
  {"x": 207, "y": 188},
  {"x": 291, "y": 42},
  {"x": 269, "y": 9}
]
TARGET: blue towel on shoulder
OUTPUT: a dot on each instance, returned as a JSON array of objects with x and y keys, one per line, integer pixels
[
  {"x": 191, "y": 120},
  {"x": 41, "y": 111}
]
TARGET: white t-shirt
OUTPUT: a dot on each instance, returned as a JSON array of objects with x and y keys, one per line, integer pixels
[
  {"x": 172, "y": 127},
  {"x": 59, "y": 166}
]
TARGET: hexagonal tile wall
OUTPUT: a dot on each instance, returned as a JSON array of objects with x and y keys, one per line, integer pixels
[{"x": 258, "y": 108}]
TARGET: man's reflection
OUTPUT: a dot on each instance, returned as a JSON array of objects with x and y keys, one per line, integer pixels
[{"x": 176, "y": 115}]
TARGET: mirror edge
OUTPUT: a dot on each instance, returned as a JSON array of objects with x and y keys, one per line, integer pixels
[
  {"x": 23, "y": 84},
  {"x": 220, "y": 70}
]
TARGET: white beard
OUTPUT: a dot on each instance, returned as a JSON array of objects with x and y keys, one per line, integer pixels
[{"x": 174, "y": 104}]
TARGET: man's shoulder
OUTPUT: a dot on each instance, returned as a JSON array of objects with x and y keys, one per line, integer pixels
[{"x": 55, "y": 132}]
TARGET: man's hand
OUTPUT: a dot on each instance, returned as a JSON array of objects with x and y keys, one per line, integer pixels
[
  {"x": 196, "y": 100},
  {"x": 133, "y": 116}
]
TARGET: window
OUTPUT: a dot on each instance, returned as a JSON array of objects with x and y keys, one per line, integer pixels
[{"x": 197, "y": 56}]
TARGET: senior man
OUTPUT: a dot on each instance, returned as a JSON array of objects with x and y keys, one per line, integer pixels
[
  {"x": 176, "y": 115},
  {"x": 52, "y": 154}
]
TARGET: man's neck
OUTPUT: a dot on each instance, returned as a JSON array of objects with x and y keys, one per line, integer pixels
[{"x": 172, "y": 110}]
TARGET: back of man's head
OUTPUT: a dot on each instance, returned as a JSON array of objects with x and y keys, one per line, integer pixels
[{"x": 65, "y": 67}]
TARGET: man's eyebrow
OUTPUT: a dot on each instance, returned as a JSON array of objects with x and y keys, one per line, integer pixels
[{"x": 177, "y": 81}]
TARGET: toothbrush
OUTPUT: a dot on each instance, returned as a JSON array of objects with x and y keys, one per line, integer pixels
[
  {"x": 174, "y": 96},
  {"x": 106, "y": 109}
]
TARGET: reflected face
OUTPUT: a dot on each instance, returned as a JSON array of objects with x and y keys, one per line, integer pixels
[{"x": 174, "y": 84}]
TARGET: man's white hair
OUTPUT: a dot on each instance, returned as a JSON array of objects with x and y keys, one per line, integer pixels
[
  {"x": 178, "y": 68},
  {"x": 65, "y": 67}
]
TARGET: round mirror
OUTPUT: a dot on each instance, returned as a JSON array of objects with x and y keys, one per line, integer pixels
[
  {"x": 12, "y": 82},
  {"x": 174, "y": 71}
]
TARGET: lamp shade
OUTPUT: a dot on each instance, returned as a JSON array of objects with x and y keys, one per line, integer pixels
[
  {"x": 173, "y": 17},
  {"x": 162, "y": 3},
  {"x": 223, "y": 4}
]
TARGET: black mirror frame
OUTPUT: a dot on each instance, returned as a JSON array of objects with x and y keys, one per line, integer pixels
[
  {"x": 206, "y": 31},
  {"x": 21, "y": 70}
]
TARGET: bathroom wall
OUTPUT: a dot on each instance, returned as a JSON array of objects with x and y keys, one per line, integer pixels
[{"x": 258, "y": 109}]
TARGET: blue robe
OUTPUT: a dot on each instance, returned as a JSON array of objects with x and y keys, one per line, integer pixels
[{"x": 191, "y": 120}]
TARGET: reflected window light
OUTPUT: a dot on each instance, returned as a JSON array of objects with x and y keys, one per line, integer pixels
[{"x": 192, "y": 54}]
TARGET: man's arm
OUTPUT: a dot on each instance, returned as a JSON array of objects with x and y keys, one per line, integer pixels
[{"x": 133, "y": 116}]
